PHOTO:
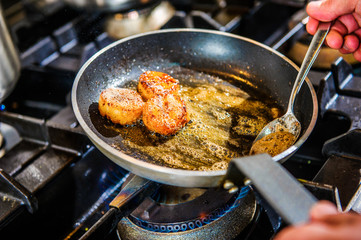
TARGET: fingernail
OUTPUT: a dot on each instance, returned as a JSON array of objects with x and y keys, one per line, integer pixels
[
  {"x": 315, "y": 4},
  {"x": 323, "y": 208},
  {"x": 344, "y": 47}
]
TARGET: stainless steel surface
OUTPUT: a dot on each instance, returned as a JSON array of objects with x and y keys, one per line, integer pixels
[
  {"x": 288, "y": 122},
  {"x": 281, "y": 190},
  {"x": 135, "y": 54},
  {"x": 131, "y": 189},
  {"x": 131, "y": 195},
  {"x": 9, "y": 60},
  {"x": 120, "y": 25},
  {"x": 295, "y": 3},
  {"x": 107, "y": 5}
]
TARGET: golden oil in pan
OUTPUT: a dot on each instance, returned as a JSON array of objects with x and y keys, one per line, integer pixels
[{"x": 224, "y": 122}]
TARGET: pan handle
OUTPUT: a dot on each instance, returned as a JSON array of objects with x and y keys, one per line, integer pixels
[{"x": 288, "y": 197}]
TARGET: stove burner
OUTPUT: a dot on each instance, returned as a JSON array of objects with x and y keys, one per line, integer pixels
[
  {"x": 53, "y": 163},
  {"x": 124, "y": 24},
  {"x": 196, "y": 214}
]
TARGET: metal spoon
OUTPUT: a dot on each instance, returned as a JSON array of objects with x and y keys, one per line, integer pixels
[{"x": 288, "y": 122}]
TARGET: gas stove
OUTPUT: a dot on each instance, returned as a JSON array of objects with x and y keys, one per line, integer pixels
[{"x": 55, "y": 184}]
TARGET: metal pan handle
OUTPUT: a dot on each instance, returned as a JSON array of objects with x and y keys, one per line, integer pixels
[{"x": 288, "y": 197}]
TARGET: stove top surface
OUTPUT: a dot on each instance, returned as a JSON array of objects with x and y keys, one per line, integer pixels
[{"x": 55, "y": 183}]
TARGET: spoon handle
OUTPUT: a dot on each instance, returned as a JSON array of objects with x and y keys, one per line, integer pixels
[{"x": 310, "y": 57}]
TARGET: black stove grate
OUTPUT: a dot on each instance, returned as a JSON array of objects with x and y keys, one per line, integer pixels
[{"x": 55, "y": 171}]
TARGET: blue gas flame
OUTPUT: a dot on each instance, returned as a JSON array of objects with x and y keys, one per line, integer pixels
[{"x": 196, "y": 223}]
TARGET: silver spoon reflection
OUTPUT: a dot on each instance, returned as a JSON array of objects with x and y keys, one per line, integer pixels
[{"x": 288, "y": 122}]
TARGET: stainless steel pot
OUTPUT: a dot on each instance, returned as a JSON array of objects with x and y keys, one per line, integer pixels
[
  {"x": 108, "y": 5},
  {"x": 9, "y": 60},
  {"x": 294, "y": 3}
]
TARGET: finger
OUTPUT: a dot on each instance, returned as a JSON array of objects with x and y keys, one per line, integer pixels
[
  {"x": 305, "y": 232},
  {"x": 350, "y": 22},
  {"x": 345, "y": 230},
  {"x": 358, "y": 33},
  {"x": 351, "y": 44},
  {"x": 337, "y": 40},
  {"x": 312, "y": 25},
  {"x": 357, "y": 55},
  {"x": 321, "y": 209},
  {"x": 357, "y": 15},
  {"x": 329, "y": 10},
  {"x": 334, "y": 39},
  {"x": 340, "y": 226},
  {"x": 348, "y": 220},
  {"x": 340, "y": 28}
]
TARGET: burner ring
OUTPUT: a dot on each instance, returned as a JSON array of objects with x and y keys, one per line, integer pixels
[
  {"x": 191, "y": 224},
  {"x": 229, "y": 222}
]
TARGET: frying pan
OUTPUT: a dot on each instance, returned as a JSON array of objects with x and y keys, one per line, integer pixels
[
  {"x": 193, "y": 51},
  {"x": 189, "y": 54}
]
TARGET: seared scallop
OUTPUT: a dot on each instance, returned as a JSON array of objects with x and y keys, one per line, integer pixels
[
  {"x": 120, "y": 105},
  {"x": 165, "y": 114},
  {"x": 153, "y": 83}
]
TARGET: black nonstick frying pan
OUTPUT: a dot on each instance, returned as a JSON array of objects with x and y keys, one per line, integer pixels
[
  {"x": 192, "y": 54},
  {"x": 181, "y": 53}
]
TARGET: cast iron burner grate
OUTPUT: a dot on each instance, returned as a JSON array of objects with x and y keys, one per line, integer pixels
[{"x": 53, "y": 45}]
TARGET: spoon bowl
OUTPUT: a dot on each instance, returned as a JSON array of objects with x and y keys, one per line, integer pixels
[{"x": 288, "y": 122}]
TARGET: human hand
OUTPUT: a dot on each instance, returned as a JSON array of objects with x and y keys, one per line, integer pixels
[
  {"x": 345, "y": 33},
  {"x": 325, "y": 224}
]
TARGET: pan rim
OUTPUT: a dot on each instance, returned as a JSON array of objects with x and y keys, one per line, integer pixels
[{"x": 113, "y": 153}]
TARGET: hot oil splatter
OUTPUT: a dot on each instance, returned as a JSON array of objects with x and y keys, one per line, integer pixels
[{"x": 224, "y": 122}]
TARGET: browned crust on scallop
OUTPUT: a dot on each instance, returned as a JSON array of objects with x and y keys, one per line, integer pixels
[
  {"x": 153, "y": 83},
  {"x": 165, "y": 114},
  {"x": 120, "y": 105}
]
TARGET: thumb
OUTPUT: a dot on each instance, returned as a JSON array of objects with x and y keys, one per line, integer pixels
[
  {"x": 328, "y": 10},
  {"x": 322, "y": 209}
]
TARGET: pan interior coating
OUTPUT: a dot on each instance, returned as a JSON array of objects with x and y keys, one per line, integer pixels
[
  {"x": 224, "y": 122},
  {"x": 245, "y": 63}
]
